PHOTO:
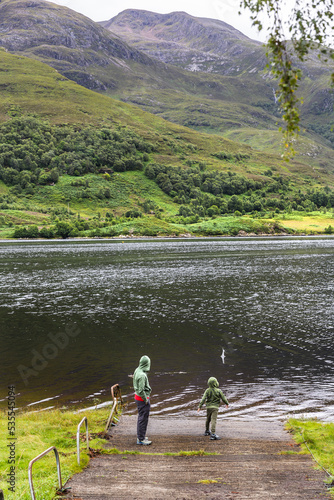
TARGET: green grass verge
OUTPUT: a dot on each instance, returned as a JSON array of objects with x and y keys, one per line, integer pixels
[
  {"x": 297, "y": 223},
  {"x": 232, "y": 225},
  {"x": 36, "y": 432},
  {"x": 317, "y": 438}
]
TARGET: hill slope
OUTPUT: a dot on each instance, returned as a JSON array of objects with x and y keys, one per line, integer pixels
[
  {"x": 29, "y": 86},
  {"x": 68, "y": 41},
  {"x": 213, "y": 47},
  {"x": 87, "y": 164},
  {"x": 237, "y": 105}
]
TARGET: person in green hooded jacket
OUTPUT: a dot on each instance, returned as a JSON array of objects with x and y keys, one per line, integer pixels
[
  {"x": 211, "y": 398},
  {"x": 142, "y": 397}
]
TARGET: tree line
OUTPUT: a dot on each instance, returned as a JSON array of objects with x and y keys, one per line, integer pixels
[
  {"x": 34, "y": 152},
  {"x": 205, "y": 192}
]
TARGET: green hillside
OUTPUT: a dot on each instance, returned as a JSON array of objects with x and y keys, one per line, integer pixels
[
  {"x": 29, "y": 86},
  {"x": 213, "y": 82},
  {"x": 74, "y": 162}
]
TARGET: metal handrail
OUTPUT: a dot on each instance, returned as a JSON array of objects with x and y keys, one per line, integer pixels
[
  {"x": 78, "y": 437},
  {"x": 32, "y": 492},
  {"x": 115, "y": 394}
]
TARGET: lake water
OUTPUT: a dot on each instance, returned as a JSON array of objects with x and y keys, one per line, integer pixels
[{"x": 76, "y": 317}]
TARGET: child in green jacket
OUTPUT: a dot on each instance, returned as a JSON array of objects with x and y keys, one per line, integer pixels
[{"x": 212, "y": 397}]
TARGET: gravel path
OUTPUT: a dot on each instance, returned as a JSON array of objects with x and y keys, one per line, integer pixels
[{"x": 249, "y": 464}]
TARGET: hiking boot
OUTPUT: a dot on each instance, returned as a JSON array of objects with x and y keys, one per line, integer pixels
[
  {"x": 214, "y": 437},
  {"x": 144, "y": 441},
  {"x": 207, "y": 433}
]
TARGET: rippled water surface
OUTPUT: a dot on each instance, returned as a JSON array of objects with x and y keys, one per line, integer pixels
[{"x": 255, "y": 313}]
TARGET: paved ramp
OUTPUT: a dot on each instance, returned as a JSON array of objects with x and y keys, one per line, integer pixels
[{"x": 249, "y": 464}]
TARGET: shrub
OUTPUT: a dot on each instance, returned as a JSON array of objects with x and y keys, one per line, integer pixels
[
  {"x": 64, "y": 229},
  {"x": 133, "y": 214},
  {"x": 47, "y": 233},
  {"x": 26, "y": 232}
]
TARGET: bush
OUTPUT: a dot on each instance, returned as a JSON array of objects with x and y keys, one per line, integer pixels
[
  {"x": 185, "y": 211},
  {"x": 47, "y": 233},
  {"x": 65, "y": 229},
  {"x": 257, "y": 206},
  {"x": 26, "y": 232},
  {"x": 133, "y": 214}
]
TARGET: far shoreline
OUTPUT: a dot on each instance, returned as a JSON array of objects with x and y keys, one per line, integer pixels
[{"x": 168, "y": 237}]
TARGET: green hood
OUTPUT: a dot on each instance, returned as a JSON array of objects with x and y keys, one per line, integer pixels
[
  {"x": 140, "y": 381},
  {"x": 213, "y": 382},
  {"x": 213, "y": 395},
  {"x": 145, "y": 363}
]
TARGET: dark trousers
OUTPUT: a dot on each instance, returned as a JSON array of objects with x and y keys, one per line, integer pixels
[
  {"x": 211, "y": 417},
  {"x": 143, "y": 414}
]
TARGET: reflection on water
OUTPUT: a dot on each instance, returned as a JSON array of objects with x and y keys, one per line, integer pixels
[{"x": 76, "y": 317}]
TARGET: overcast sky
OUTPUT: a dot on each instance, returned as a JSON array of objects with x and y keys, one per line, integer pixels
[{"x": 224, "y": 10}]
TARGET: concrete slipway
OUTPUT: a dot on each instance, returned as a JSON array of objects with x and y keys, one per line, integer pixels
[{"x": 251, "y": 463}]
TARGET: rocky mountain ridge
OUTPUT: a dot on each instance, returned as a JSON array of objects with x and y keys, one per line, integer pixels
[
  {"x": 195, "y": 44},
  {"x": 68, "y": 41}
]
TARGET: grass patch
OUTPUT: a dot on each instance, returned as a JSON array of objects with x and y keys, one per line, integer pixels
[
  {"x": 148, "y": 226},
  {"x": 291, "y": 452},
  {"x": 6, "y": 233},
  {"x": 81, "y": 194},
  {"x": 209, "y": 481},
  {"x": 24, "y": 217},
  {"x": 36, "y": 432},
  {"x": 3, "y": 188},
  {"x": 191, "y": 453},
  {"x": 310, "y": 223},
  {"x": 232, "y": 225},
  {"x": 317, "y": 438}
]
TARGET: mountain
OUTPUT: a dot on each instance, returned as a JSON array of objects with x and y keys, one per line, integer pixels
[
  {"x": 231, "y": 95},
  {"x": 217, "y": 50},
  {"x": 194, "y": 44},
  {"x": 214, "y": 47},
  {"x": 68, "y": 41},
  {"x": 99, "y": 60},
  {"x": 75, "y": 162},
  {"x": 197, "y": 44}
]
